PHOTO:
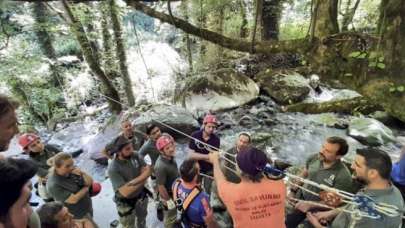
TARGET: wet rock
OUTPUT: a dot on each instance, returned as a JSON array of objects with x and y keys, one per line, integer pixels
[
  {"x": 174, "y": 116},
  {"x": 219, "y": 90},
  {"x": 284, "y": 88},
  {"x": 70, "y": 138},
  {"x": 246, "y": 121},
  {"x": 329, "y": 120},
  {"x": 370, "y": 132}
]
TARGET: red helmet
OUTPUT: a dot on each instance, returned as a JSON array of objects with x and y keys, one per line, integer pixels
[
  {"x": 163, "y": 141},
  {"x": 95, "y": 189},
  {"x": 210, "y": 119},
  {"x": 26, "y": 139}
]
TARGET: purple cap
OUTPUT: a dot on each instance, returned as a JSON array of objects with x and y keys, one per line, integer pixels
[{"x": 251, "y": 160}]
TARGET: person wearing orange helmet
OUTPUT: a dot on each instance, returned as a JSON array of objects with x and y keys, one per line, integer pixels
[
  {"x": 199, "y": 152},
  {"x": 166, "y": 174}
]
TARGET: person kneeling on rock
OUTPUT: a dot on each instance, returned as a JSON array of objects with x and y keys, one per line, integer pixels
[{"x": 128, "y": 174}]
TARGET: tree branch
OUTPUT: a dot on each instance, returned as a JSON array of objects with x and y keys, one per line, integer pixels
[{"x": 264, "y": 47}]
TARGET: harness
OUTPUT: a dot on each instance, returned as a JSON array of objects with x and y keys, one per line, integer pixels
[{"x": 183, "y": 205}]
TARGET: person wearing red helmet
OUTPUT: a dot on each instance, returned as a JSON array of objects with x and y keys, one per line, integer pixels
[
  {"x": 128, "y": 174},
  {"x": 38, "y": 153},
  {"x": 166, "y": 174},
  {"x": 199, "y": 152}
]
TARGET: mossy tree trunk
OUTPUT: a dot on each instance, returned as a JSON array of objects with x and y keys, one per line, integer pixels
[
  {"x": 347, "y": 106},
  {"x": 271, "y": 14},
  {"x": 120, "y": 49},
  {"x": 244, "y": 31},
  {"x": 109, "y": 90},
  {"x": 45, "y": 41},
  {"x": 108, "y": 56},
  {"x": 185, "y": 11},
  {"x": 324, "y": 18}
]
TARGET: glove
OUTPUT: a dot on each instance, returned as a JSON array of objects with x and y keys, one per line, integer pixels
[
  {"x": 170, "y": 204},
  {"x": 147, "y": 160}
]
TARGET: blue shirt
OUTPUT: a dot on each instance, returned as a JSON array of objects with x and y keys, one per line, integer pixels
[
  {"x": 214, "y": 141},
  {"x": 195, "y": 211},
  {"x": 398, "y": 172}
]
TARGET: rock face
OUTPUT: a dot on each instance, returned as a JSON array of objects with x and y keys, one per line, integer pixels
[
  {"x": 174, "y": 116},
  {"x": 219, "y": 90},
  {"x": 370, "y": 132},
  {"x": 284, "y": 88}
]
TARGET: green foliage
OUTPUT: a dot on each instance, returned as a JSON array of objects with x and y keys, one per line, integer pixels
[
  {"x": 67, "y": 46},
  {"x": 397, "y": 89},
  {"x": 375, "y": 59}
]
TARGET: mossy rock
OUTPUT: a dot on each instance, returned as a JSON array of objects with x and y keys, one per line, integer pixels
[
  {"x": 287, "y": 88},
  {"x": 217, "y": 90}
]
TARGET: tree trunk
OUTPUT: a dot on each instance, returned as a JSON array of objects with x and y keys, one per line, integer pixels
[
  {"x": 110, "y": 92},
  {"x": 45, "y": 41},
  {"x": 122, "y": 56},
  {"x": 108, "y": 56},
  {"x": 244, "y": 31},
  {"x": 184, "y": 10},
  {"x": 264, "y": 47},
  {"x": 348, "y": 106},
  {"x": 270, "y": 19},
  {"x": 349, "y": 14},
  {"x": 91, "y": 31},
  {"x": 324, "y": 18},
  {"x": 392, "y": 31},
  {"x": 258, "y": 22}
]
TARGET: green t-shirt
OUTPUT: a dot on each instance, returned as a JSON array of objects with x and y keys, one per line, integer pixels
[
  {"x": 61, "y": 187},
  {"x": 149, "y": 148},
  {"x": 166, "y": 172},
  {"x": 337, "y": 176},
  {"x": 390, "y": 196},
  {"x": 41, "y": 158},
  {"x": 123, "y": 171}
]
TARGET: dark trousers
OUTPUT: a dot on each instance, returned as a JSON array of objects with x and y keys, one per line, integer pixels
[{"x": 294, "y": 218}]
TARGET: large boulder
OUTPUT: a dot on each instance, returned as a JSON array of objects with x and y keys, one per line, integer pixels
[
  {"x": 174, "y": 116},
  {"x": 284, "y": 88},
  {"x": 218, "y": 90},
  {"x": 370, "y": 131}
]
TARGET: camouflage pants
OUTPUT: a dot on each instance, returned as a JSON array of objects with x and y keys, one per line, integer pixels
[
  {"x": 170, "y": 218},
  {"x": 136, "y": 217}
]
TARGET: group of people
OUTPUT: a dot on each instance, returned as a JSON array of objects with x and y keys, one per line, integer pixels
[{"x": 249, "y": 195}]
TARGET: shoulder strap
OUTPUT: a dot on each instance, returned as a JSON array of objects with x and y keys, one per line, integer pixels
[
  {"x": 190, "y": 198},
  {"x": 175, "y": 189}
]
